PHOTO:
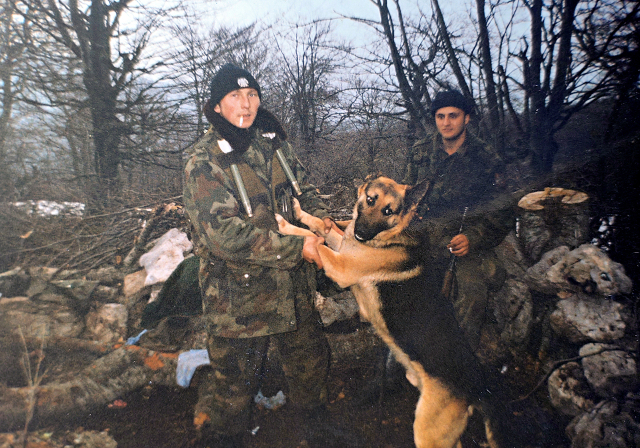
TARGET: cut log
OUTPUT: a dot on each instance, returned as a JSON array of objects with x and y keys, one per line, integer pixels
[
  {"x": 142, "y": 239},
  {"x": 106, "y": 379},
  {"x": 536, "y": 200},
  {"x": 61, "y": 343},
  {"x": 552, "y": 218}
]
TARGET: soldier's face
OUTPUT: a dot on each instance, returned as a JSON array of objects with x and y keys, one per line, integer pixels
[
  {"x": 451, "y": 122},
  {"x": 239, "y": 107}
]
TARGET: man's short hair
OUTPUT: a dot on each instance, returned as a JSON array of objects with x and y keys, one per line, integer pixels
[{"x": 451, "y": 98}]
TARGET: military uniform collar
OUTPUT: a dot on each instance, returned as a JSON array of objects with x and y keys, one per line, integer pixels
[{"x": 462, "y": 150}]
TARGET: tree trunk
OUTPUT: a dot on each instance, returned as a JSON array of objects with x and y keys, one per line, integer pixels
[
  {"x": 107, "y": 130},
  {"x": 451, "y": 54},
  {"x": 103, "y": 81},
  {"x": 12, "y": 49},
  {"x": 538, "y": 130},
  {"x": 545, "y": 117},
  {"x": 108, "y": 378},
  {"x": 497, "y": 131},
  {"x": 418, "y": 115}
]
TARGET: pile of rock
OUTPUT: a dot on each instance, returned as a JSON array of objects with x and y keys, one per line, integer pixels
[
  {"x": 599, "y": 388},
  {"x": 577, "y": 297}
]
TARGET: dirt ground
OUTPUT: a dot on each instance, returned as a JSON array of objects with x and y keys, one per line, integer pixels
[{"x": 161, "y": 417}]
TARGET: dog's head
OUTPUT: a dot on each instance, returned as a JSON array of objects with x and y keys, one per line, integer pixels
[{"x": 385, "y": 208}]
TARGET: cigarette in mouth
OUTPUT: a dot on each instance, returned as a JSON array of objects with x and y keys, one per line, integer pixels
[{"x": 241, "y": 121}]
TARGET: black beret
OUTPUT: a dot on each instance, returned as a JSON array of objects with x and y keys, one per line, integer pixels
[
  {"x": 230, "y": 78},
  {"x": 451, "y": 98}
]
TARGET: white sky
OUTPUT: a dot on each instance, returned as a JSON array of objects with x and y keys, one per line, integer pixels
[
  {"x": 243, "y": 12},
  {"x": 237, "y": 13},
  {"x": 233, "y": 13}
]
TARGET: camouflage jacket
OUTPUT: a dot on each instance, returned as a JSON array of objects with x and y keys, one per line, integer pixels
[
  {"x": 254, "y": 281},
  {"x": 467, "y": 178}
]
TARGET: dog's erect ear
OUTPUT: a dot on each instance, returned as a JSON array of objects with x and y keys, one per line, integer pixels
[
  {"x": 415, "y": 194},
  {"x": 362, "y": 187},
  {"x": 372, "y": 176}
]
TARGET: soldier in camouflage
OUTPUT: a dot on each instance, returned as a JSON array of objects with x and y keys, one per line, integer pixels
[
  {"x": 464, "y": 173},
  {"x": 257, "y": 287}
]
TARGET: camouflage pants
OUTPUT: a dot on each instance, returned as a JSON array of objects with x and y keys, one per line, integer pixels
[
  {"x": 227, "y": 390},
  {"x": 476, "y": 277}
]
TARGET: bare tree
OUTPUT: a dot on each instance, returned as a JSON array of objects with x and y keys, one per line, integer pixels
[
  {"x": 539, "y": 83},
  {"x": 610, "y": 36},
  {"x": 111, "y": 57},
  {"x": 563, "y": 65},
  {"x": 411, "y": 74},
  {"x": 370, "y": 140},
  {"x": 14, "y": 38},
  {"x": 450, "y": 51},
  {"x": 307, "y": 98},
  {"x": 534, "y": 81},
  {"x": 486, "y": 65}
]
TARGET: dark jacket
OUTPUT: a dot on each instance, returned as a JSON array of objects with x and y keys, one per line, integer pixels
[{"x": 467, "y": 178}]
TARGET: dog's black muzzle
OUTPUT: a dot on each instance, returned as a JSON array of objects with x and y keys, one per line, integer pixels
[{"x": 364, "y": 231}]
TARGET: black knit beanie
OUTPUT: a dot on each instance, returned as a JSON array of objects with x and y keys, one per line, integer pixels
[
  {"x": 230, "y": 78},
  {"x": 451, "y": 98}
]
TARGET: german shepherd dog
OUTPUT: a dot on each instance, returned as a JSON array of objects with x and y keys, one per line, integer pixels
[{"x": 382, "y": 258}]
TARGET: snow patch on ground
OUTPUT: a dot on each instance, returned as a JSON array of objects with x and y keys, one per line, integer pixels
[{"x": 50, "y": 208}]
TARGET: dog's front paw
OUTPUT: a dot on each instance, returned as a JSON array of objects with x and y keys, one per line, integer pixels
[
  {"x": 297, "y": 210},
  {"x": 282, "y": 224}
]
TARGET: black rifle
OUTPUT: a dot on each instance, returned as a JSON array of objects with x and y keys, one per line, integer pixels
[{"x": 448, "y": 277}]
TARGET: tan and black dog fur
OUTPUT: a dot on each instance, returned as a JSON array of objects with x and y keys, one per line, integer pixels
[{"x": 381, "y": 257}]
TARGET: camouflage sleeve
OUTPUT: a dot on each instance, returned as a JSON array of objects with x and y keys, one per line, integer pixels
[
  {"x": 215, "y": 215},
  {"x": 419, "y": 161},
  {"x": 494, "y": 217},
  {"x": 488, "y": 227}
]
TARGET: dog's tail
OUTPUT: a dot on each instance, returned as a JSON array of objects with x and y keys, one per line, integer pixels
[
  {"x": 498, "y": 425},
  {"x": 501, "y": 428},
  {"x": 494, "y": 439}
]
